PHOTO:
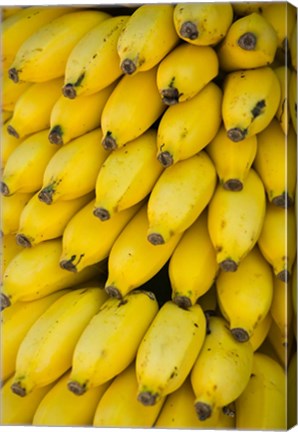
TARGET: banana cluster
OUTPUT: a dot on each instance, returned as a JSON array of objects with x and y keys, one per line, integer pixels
[{"x": 149, "y": 205}]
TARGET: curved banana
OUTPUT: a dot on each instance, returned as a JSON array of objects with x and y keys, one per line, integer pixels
[
  {"x": 281, "y": 308},
  {"x": 179, "y": 196},
  {"x": 222, "y": 369},
  {"x": 248, "y": 7},
  {"x": 118, "y": 189},
  {"x": 187, "y": 128},
  {"x": 250, "y": 101},
  {"x": 8, "y": 144},
  {"x": 281, "y": 347},
  {"x": 283, "y": 115},
  {"x": 260, "y": 332},
  {"x": 8, "y": 11},
  {"x": 232, "y": 160},
  {"x": 292, "y": 391},
  {"x": 293, "y": 47},
  {"x": 235, "y": 220},
  {"x": 11, "y": 209},
  {"x": 293, "y": 99},
  {"x": 147, "y": 37},
  {"x": 118, "y": 327},
  {"x": 11, "y": 92},
  {"x": 9, "y": 250}
]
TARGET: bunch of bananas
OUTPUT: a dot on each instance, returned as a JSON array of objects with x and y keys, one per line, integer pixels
[{"x": 149, "y": 207}]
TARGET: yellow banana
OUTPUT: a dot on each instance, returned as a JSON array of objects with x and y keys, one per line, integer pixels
[
  {"x": 182, "y": 73},
  {"x": 23, "y": 172},
  {"x": 11, "y": 92},
  {"x": 93, "y": 64},
  {"x": 235, "y": 220},
  {"x": 128, "y": 102},
  {"x": 262, "y": 404},
  {"x": 293, "y": 46},
  {"x": 260, "y": 332},
  {"x": 34, "y": 273},
  {"x": 7, "y": 11},
  {"x": 232, "y": 160},
  {"x": 179, "y": 196},
  {"x": 62, "y": 180},
  {"x": 250, "y": 42},
  {"x": 208, "y": 301},
  {"x": 118, "y": 189},
  {"x": 71, "y": 118},
  {"x": 87, "y": 240},
  {"x": 133, "y": 261},
  {"x": 250, "y": 101},
  {"x": 187, "y": 128},
  {"x": 119, "y": 406},
  {"x": 222, "y": 369},
  {"x": 193, "y": 266},
  {"x": 11, "y": 209},
  {"x": 9, "y": 250},
  {"x": 39, "y": 222},
  {"x": 33, "y": 108},
  {"x": 282, "y": 17},
  {"x": 248, "y": 7},
  {"x": 281, "y": 307},
  {"x": 5, "y": 115},
  {"x": 202, "y": 23},
  {"x": 294, "y": 288},
  {"x": 168, "y": 351},
  {"x": 282, "y": 347},
  {"x": 60, "y": 407},
  {"x": 43, "y": 56},
  {"x": 277, "y": 240},
  {"x": 282, "y": 115},
  {"x": 292, "y": 392},
  {"x": 293, "y": 99},
  {"x": 146, "y": 38},
  {"x": 8, "y": 144},
  {"x": 245, "y": 296},
  {"x": 118, "y": 327}
]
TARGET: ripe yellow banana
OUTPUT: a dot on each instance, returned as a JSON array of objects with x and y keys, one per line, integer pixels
[
  {"x": 193, "y": 266},
  {"x": 250, "y": 42},
  {"x": 250, "y": 101},
  {"x": 281, "y": 308},
  {"x": 43, "y": 56},
  {"x": 118, "y": 327},
  {"x": 232, "y": 160},
  {"x": 283, "y": 115},
  {"x": 146, "y": 38},
  {"x": 262, "y": 404},
  {"x": 222, "y": 369},
  {"x": 179, "y": 196},
  {"x": 248, "y": 7},
  {"x": 281, "y": 347},
  {"x": 294, "y": 288},
  {"x": 87, "y": 240},
  {"x": 168, "y": 351},
  {"x": 245, "y": 296},
  {"x": 118, "y": 189},
  {"x": 10, "y": 92},
  {"x": 9, "y": 250},
  {"x": 260, "y": 332},
  {"x": 119, "y": 406},
  {"x": 8, "y": 144},
  {"x": 293, "y": 99},
  {"x": 282, "y": 17},
  {"x": 93, "y": 64},
  {"x": 133, "y": 260},
  {"x": 23, "y": 172},
  {"x": 71, "y": 118},
  {"x": 127, "y": 102},
  {"x": 292, "y": 391},
  {"x": 182, "y": 73},
  {"x": 62, "y": 180},
  {"x": 9, "y": 11},
  {"x": 202, "y": 23},
  {"x": 11, "y": 209},
  {"x": 187, "y": 128},
  {"x": 33, "y": 108},
  {"x": 293, "y": 47},
  {"x": 235, "y": 220}
]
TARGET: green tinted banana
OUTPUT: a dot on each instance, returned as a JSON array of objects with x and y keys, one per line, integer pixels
[
  {"x": 11, "y": 209},
  {"x": 10, "y": 92},
  {"x": 283, "y": 115},
  {"x": 293, "y": 99}
]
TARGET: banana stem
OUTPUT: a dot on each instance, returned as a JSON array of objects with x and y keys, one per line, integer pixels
[
  {"x": 189, "y": 30},
  {"x": 248, "y": 41}
]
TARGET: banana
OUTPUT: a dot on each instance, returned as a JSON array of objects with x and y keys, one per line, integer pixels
[
  {"x": 57, "y": 330},
  {"x": 7, "y": 11},
  {"x": 34, "y": 273},
  {"x": 182, "y": 73},
  {"x": 128, "y": 102},
  {"x": 248, "y": 7},
  {"x": 62, "y": 180},
  {"x": 202, "y": 24},
  {"x": 282, "y": 347},
  {"x": 250, "y": 101},
  {"x": 293, "y": 99},
  {"x": 8, "y": 144},
  {"x": 133, "y": 260},
  {"x": 187, "y": 128},
  {"x": 118, "y": 189},
  {"x": 147, "y": 37},
  {"x": 23, "y": 172},
  {"x": 60, "y": 407},
  {"x": 281, "y": 308},
  {"x": 208, "y": 301},
  {"x": 275, "y": 162},
  {"x": 119, "y": 406},
  {"x": 260, "y": 332},
  {"x": 292, "y": 391},
  {"x": 43, "y": 56},
  {"x": 39, "y": 222},
  {"x": 262, "y": 404},
  {"x": 118, "y": 327},
  {"x": 33, "y": 108},
  {"x": 293, "y": 47},
  {"x": 294, "y": 288},
  {"x": 222, "y": 369},
  {"x": 179, "y": 196},
  {"x": 282, "y": 115},
  {"x": 193, "y": 266},
  {"x": 232, "y": 160},
  {"x": 11, "y": 92},
  {"x": 9, "y": 250},
  {"x": 235, "y": 220},
  {"x": 93, "y": 64},
  {"x": 168, "y": 351},
  {"x": 71, "y": 118},
  {"x": 87, "y": 240},
  {"x": 277, "y": 240},
  {"x": 250, "y": 42},
  {"x": 245, "y": 296},
  {"x": 11, "y": 209},
  {"x": 5, "y": 115}
]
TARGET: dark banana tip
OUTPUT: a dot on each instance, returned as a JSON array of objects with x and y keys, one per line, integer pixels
[
  {"x": 76, "y": 388},
  {"x": 23, "y": 241},
  {"x": 11, "y": 130},
  {"x": 4, "y": 189},
  {"x": 18, "y": 389},
  {"x": 46, "y": 196},
  {"x": 170, "y": 96},
  {"x": 146, "y": 398},
  {"x": 248, "y": 41},
  {"x": 234, "y": 185},
  {"x": 228, "y": 265},
  {"x": 113, "y": 292},
  {"x": 55, "y": 137},
  {"x": 236, "y": 134},
  {"x": 109, "y": 143},
  {"x": 68, "y": 265},
  {"x": 165, "y": 158},
  {"x": 284, "y": 276},
  {"x": 203, "y": 410},
  {"x": 155, "y": 239},
  {"x": 240, "y": 334},
  {"x": 182, "y": 301},
  {"x": 13, "y": 75},
  {"x": 101, "y": 213},
  {"x": 69, "y": 91},
  {"x": 4, "y": 301},
  {"x": 283, "y": 200},
  {"x": 128, "y": 66},
  {"x": 189, "y": 30}
]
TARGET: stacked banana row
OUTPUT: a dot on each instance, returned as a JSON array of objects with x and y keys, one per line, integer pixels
[{"x": 148, "y": 200}]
